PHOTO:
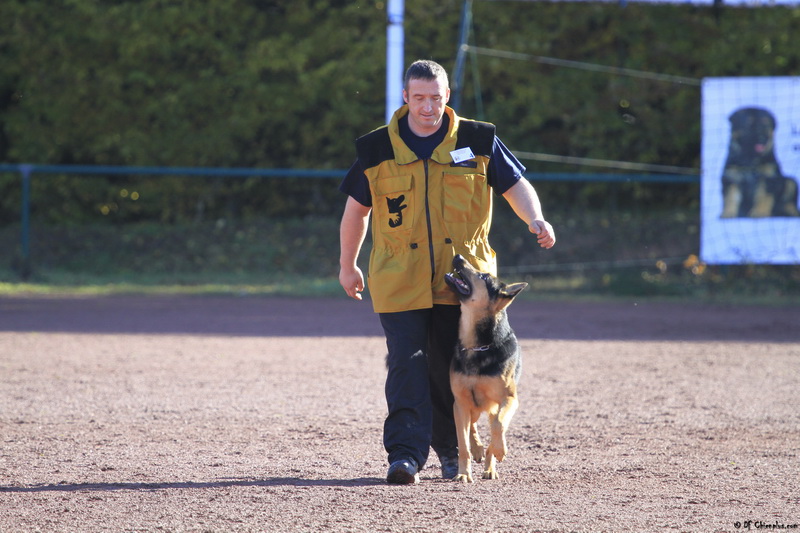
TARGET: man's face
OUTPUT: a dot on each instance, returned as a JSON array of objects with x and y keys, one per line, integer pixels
[{"x": 426, "y": 100}]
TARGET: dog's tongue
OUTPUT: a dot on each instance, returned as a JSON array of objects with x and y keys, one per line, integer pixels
[
  {"x": 462, "y": 287},
  {"x": 759, "y": 148}
]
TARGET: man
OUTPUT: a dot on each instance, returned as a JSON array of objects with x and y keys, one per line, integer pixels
[{"x": 427, "y": 179}]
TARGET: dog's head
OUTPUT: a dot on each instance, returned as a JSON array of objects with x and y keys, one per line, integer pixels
[
  {"x": 752, "y": 134},
  {"x": 479, "y": 289}
]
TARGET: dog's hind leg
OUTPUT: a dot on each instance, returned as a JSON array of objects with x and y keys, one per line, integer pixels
[
  {"x": 788, "y": 198},
  {"x": 499, "y": 422}
]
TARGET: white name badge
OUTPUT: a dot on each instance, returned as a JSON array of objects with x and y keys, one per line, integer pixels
[{"x": 462, "y": 154}]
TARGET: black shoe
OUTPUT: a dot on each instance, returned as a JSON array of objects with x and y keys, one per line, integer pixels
[
  {"x": 403, "y": 472},
  {"x": 449, "y": 467}
]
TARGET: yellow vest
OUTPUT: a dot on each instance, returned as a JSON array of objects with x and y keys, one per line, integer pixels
[{"x": 424, "y": 212}]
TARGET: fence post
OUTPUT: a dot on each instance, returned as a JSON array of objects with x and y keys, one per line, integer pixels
[
  {"x": 457, "y": 82},
  {"x": 25, "y": 265}
]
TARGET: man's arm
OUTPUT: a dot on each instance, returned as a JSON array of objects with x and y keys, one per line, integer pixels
[
  {"x": 525, "y": 202},
  {"x": 352, "y": 232}
]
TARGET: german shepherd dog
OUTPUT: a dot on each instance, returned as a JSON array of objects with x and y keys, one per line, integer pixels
[
  {"x": 485, "y": 367},
  {"x": 753, "y": 184}
]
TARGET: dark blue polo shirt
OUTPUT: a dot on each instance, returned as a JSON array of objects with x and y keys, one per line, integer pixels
[{"x": 505, "y": 170}]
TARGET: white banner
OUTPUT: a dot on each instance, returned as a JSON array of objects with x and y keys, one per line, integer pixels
[
  {"x": 730, "y": 3},
  {"x": 750, "y": 171}
]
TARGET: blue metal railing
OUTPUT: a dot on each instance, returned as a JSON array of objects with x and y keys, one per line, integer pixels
[
  {"x": 26, "y": 170},
  {"x": 175, "y": 171}
]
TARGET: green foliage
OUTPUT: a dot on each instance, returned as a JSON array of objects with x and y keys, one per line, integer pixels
[
  {"x": 273, "y": 83},
  {"x": 571, "y": 112},
  {"x": 270, "y": 83},
  {"x": 228, "y": 83},
  {"x": 264, "y": 247},
  {"x": 576, "y": 112},
  {"x": 119, "y": 199}
]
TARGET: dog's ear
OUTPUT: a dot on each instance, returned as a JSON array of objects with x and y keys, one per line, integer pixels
[
  {"x": 507, "y": 294},
  {"x": 509, "y": 291},
  {"x": 737, "y": 115}
]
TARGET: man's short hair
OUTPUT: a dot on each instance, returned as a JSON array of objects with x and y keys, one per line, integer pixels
[{"x": 425, "y": 69}]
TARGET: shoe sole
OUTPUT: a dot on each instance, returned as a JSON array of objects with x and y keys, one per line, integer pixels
[{"x": 402, "y": 478}]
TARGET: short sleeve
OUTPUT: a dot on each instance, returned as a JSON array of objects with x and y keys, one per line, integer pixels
[
  {"x": 505, "y": 170},
  {"x": 356, "y": 185}
]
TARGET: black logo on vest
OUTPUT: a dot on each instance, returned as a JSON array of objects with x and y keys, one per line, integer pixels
[{"x": 396, "y": 207}]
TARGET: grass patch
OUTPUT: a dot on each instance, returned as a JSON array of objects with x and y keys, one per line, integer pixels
[
  {"x": 588, "y": 286},
  {"x": 68, "y": 285},
  {"x": 299, "y": 257},
  {"x": 740, "y": 285}
]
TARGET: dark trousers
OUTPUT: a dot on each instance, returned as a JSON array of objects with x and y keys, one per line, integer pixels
[{"x": 421, "y": 344}]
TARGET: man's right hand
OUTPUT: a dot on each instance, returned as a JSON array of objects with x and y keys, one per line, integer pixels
[{"x": 352, "y": 281}]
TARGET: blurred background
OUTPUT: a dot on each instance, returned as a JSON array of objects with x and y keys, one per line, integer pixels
[{"x": 600, "y": 101}]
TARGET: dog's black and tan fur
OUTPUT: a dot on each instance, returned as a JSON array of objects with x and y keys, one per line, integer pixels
[
  {"x": 485, "y": 367},
  {"x": 753, "y": 184}
]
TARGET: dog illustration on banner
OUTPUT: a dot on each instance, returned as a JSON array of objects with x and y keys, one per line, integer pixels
[{"x": 753, "y": 184}]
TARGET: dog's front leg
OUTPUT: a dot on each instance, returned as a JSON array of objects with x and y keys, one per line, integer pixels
[
  {"x": 732, "y": 199},
  {"x": 763, "y": 201},
  {"x": 462, "y": 419},
  {"x": 499, "y": 422}
]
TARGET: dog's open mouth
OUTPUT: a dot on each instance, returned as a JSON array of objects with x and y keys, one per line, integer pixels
[{"x": 455, "y": 281}]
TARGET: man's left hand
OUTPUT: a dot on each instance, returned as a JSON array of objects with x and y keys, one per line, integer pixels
[{"x": 544, "y": 231}]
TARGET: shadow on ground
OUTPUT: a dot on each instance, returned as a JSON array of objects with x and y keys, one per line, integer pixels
[
  {"x": 225, "y": 483},
  {"x": 306, "y": 317}
]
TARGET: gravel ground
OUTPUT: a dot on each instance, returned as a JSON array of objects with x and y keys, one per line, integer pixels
[{"x": 265, "y": 414}]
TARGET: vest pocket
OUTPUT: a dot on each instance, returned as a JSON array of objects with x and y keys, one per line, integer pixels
[
  {"x": 464, "y": 196},
  {"x": 394, "y": 203}
]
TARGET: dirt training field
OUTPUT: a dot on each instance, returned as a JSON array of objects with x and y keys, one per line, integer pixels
[{"x": 257, "y": 414}]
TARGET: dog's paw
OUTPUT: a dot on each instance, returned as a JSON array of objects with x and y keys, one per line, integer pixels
[
  {"x": 499, "y": 452},
  {"x": 491, "y": 474},
  {"x": 463, "y": 478},
  {"x": 477, "y": 453}
]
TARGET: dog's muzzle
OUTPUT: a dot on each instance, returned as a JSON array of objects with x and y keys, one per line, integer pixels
[{"x": 455, "y": 280}]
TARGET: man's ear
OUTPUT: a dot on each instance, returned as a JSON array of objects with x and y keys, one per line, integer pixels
[
  {"x": 405, "y": 96},
  {"x": 447, "y": 95}
]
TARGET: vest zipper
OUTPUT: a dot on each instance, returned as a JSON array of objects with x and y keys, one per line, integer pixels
[{"x": 428, "y": 220}]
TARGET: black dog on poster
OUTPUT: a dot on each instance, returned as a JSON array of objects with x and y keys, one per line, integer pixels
[{"x": 753, "y": 184}]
